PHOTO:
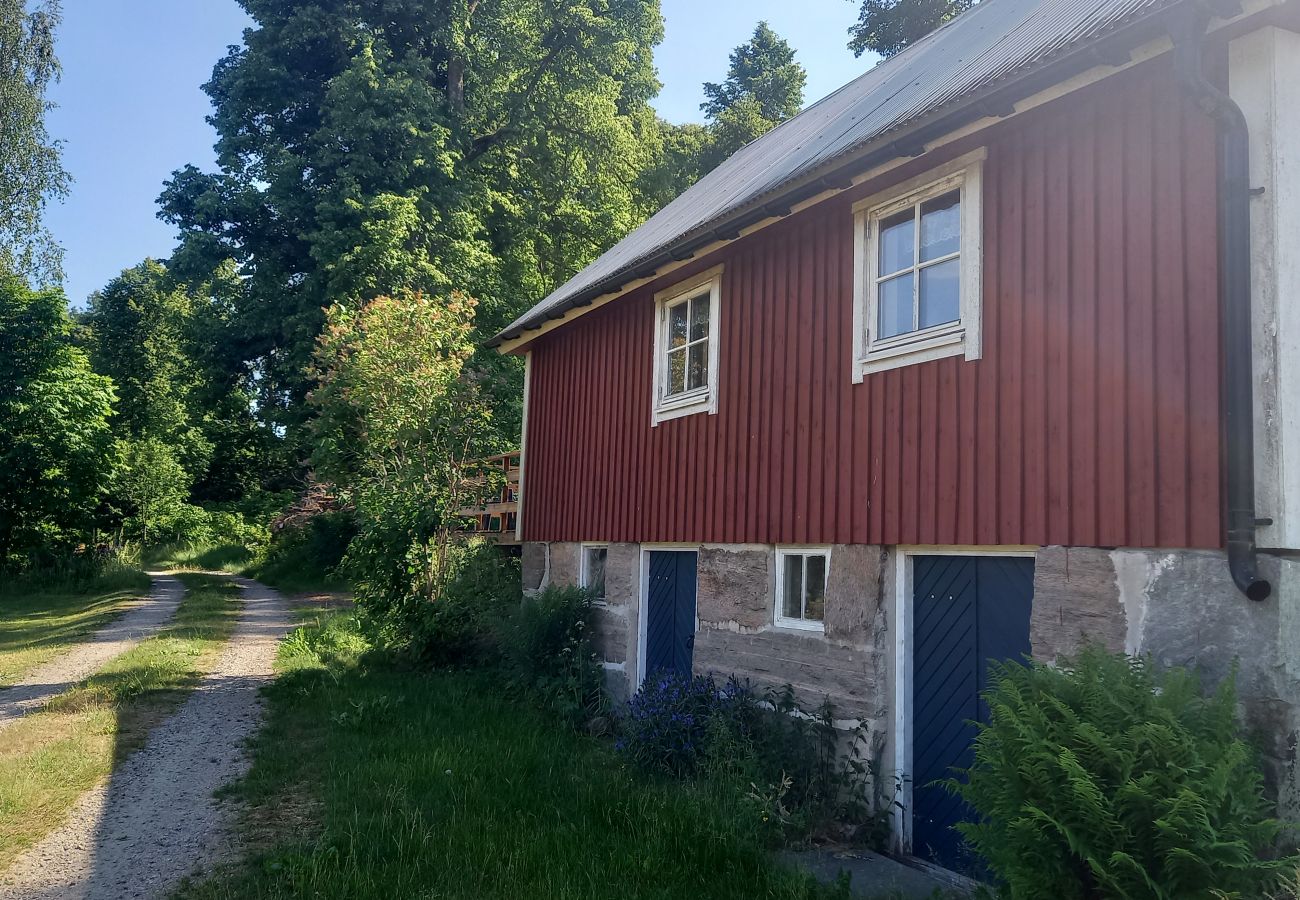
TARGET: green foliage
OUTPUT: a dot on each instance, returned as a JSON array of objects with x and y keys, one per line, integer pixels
[
  {"x": 56, "y": 451},
  {"x": 888, "y": 26},
  {"x": 457, "y": 628},
  {"x": 308, "y": 555},
  {"x": 30, "y": 169},
  {"x": 402, "y": 424},
  {"x": 388, "y": 146},
  {"x": 763, "y": 70},
  {"x": 797, "y": 772},
  {"x": 153, "y": 486},
  {"x": 1103, "y": 777},
  {"x": 549, "y": 648},
  {"x": 140, "y": 337}
]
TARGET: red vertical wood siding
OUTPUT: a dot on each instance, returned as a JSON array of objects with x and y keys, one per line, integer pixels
[{"x": 1091, "y": 419}]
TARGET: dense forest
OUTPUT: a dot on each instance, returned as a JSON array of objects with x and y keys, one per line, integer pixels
[{"x": 396, "y": 180}]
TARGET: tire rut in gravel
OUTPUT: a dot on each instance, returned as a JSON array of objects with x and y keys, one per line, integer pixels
[
  {"x": 156, "y": 821},
  {"x": 141, "y": 619}
]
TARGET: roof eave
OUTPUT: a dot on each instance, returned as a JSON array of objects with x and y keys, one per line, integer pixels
[{"x": 996, "y": 100}]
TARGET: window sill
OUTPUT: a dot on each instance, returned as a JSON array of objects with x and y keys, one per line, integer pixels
[
  {"x": 704, "y": 403},
  {"x": 801, "y": 626},
  {"x": 908, "y": 353}
]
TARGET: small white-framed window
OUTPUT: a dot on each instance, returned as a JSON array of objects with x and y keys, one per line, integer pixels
[
  {"x": 801, "y": 587},
  {"x": 687, "y": 333},
  {"x": 917, "y": 269},
  {"x": 594, "y": 557}
]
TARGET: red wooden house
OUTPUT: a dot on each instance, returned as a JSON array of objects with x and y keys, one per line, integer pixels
[{"x": 993, "y": 351}]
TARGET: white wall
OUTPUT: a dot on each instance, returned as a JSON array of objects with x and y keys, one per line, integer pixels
[{"x": 1264, "y": 79}]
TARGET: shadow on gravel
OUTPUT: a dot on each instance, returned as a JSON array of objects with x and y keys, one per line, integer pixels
[
  {"x": 160, "y": 819},
  {"x": 156, "y": 819}
]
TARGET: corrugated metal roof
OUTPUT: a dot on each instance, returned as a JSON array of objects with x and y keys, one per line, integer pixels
[{"x": 992, "y": 42}]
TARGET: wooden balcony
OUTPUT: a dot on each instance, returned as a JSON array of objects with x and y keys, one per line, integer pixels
[{"x": 497, "y": 513}]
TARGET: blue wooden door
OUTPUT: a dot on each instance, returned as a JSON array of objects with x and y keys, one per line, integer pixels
[
  {"x": 670, "y": 612},
  {"x": 967, "y": 611}
]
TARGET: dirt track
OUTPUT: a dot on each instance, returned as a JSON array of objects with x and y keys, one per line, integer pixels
[
  {"x": 142, "y": 618},
  {"x": 155, "y": 820}
]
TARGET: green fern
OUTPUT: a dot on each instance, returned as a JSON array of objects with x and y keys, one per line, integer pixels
[{"x": 1103, "y": 777}]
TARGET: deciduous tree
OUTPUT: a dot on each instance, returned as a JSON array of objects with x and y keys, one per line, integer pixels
[
  {"x": 383, "y": 146},
  {"x": 56, "y": 449},
  {"x": 30, "y": 171},
  {"x": 403, "y": 422}
]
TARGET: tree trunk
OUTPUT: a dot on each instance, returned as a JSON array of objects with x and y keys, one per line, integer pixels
[{"x": 456, "y": 84}]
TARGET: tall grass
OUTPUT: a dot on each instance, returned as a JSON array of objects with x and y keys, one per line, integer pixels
[
  {"x": 369, "y": 782},
  {"x": 73, "y": 574},
  {"x": 43, "y": 613}
]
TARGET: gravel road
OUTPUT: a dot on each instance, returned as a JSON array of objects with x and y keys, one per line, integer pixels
[
  {"x": 141, "y": 619},
  {"x": 155, "y": 820}
]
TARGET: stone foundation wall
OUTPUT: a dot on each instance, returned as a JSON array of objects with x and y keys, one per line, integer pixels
[{"x": 1180, "y": 607}]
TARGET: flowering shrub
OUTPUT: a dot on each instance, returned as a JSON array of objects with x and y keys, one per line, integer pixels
[{"x": 668, "y": 721}]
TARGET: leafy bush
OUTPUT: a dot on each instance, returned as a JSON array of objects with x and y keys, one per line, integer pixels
[
  {"x": 307, "y": 555},
  {"x": 799, "y": 771},
  {"x": 459, "y": 627},
  {"x": 548, "y": 647},
  {"x": 101, "y": 568},
  {"x": 1104, "y": 777}
]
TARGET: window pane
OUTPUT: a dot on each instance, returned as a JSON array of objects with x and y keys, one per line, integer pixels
[
  {"x": 815, "y": 607},
  {"x": 596, "y": 571},
  {"x": 897, "y": 242},
  {"x": 700, "y": 317},
  {"x": 941, "y": 293},
  {"x": 792, "y": 589},
  {"x": 895, "y": 306},
  {"x": 697, "y": 374},
  {"x": 676, "y": 373},
  {"x": 677, "y": 325},
  {"x": 941, "y": 226}
]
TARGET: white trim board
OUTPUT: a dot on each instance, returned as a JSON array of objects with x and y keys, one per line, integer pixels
[{"x": 1097, "y": 73}]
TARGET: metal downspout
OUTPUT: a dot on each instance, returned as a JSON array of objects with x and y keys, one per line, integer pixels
[{"x": 1238, "y": 401}]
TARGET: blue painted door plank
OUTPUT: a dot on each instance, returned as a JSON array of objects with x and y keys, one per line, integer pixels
[{"x": 966, "y": 611}]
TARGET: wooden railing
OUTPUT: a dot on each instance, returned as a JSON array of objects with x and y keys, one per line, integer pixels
[{"x": 496, "y": 515}]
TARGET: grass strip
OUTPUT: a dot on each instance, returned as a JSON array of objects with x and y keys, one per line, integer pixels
[
  {"x": 373, "y": 782},
  {"x": 38, "y": 624},
  {"x": 48, "y": 759}
]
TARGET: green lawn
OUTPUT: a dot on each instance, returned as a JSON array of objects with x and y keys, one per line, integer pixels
[
  {"x": 36, "y": 625},
  {"x": 371, "y": 782},
  {"x": 48, "y": 759}
]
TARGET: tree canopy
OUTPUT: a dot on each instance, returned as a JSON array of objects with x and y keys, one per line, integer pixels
[
  {"x": 888, "y": 26},
  {"x": 30, "y": 169},
  {"x": 56, "y": 449},
  {"x": 764, "y": 87},
  {"x": 381, "y": 146},
  {"x": 763, "y": 70}
]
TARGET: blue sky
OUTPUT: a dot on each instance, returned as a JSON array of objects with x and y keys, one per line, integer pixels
[{"x": 130, "y": 109}]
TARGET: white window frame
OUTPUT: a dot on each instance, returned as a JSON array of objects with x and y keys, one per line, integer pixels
[
  {"x": 950, "y": 339},
  {"x": 584, "y": 573},
  {"x": 782, "y": 621},
  {"x": 704, "y": 400}
]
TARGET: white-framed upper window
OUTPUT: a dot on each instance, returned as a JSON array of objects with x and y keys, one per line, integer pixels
[
  {"x": 686, "y": 347},
  {"x": 801, "y": 587},
  {"x": 594, "y": 557},
  {"x": 917, "y": 269}
]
